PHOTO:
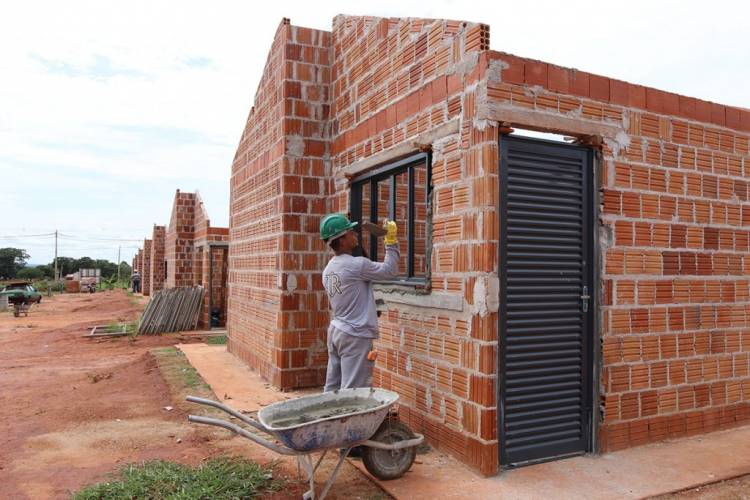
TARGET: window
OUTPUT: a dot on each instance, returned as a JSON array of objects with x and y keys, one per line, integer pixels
[{"x": 400, "y": 191}]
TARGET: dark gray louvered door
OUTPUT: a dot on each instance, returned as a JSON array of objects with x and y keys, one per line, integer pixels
[{"x": 546, "y": 315}]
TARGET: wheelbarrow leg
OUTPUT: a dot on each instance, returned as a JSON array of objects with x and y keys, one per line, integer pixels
[
  {"x": 332, "y": 478},
  {"x": 307, "y": 463}
]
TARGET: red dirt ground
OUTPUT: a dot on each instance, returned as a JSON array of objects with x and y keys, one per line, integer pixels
[{"x": 73, "y": 409}]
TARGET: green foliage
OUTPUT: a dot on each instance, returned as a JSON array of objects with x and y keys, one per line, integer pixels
[
  {"x": 217, "y": 478},
  {"x": 113, "y": 283},
  {"x": 69, "y": 265},
  {"x": 30, "y": 273},
  {"x": 11, "y": 261},
  {"x": 125, "y": 270},
  {"x": 41, "y": 285},
  {"x": 222, "y": 339}
]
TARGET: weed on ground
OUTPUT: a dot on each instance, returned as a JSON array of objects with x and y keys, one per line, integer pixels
[
  {"x": 217, "y": 478},
  {"x": 220, "y": 340}
]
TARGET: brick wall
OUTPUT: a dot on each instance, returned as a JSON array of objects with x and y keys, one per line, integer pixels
[
  {"x": 280, "y": 178},
  {"x": 395, "y": 81},
  {"x": 674, "y": 296},
  {"x": 146, "y": 274},
  {"x": 185, "y": 253},
  {"x": 157, "y": 274},
  {"x": 674, "y": 217},
  {"x": 204, "y": 236},
  {"x": 178, "y": 241},
  {"x": 136, "y": 264},
  {"x": 217, "y": 284},
  {"x": 140, "y": 265}
]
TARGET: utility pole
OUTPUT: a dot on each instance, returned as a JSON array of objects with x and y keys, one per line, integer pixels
[
  {"x": 56, "y": 277},
  {"x": 118, "y": 263}
]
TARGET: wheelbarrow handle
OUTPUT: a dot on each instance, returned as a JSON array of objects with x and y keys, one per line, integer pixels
[
  {"x": 210, "y": 402},
  {"x": 244, "y": 433}
]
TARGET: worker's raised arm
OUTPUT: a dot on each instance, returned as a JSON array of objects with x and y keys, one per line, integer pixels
[{"x": 388, "y": 269}]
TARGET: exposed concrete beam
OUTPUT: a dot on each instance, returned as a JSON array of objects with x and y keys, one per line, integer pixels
[{"x": 543, "y": 122}]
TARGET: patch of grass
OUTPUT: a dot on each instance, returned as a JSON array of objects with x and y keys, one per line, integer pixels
[
  {"x": 177, "y": 370},
  {"x": 183, "y": 380},
  {"x": 116, "y": 327},
  {"x": 218, "y": 478},
  {"x": 219, "y": 340}
]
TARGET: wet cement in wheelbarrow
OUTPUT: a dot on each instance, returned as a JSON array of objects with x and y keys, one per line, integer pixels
[{"x": 328, "y": 409}]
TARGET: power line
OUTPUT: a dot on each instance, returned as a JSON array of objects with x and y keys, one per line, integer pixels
[
  {"x": 92, "y": 248},
  {"x": 21, "y": 236},
  {"x": 91, "y": 238}
]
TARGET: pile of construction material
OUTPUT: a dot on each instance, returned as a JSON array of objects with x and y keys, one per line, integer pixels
[
  {"x": 172, "y": 310},
  {"x": 72, "y": 286}
]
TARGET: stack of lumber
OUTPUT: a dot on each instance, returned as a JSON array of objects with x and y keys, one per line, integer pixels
[
  {"x": 172, "y": 310},
  {"x": 72, "y": 286}
]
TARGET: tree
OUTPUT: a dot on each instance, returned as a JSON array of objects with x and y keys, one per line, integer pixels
[
  {"x": 31, "y": 273},
  {"x": 125, "y": 270},
  {"x": 11, "y": 261},
  {"x": 67, "y": 265}
]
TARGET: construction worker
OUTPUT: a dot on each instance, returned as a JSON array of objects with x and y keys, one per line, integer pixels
[
  {"x": 136, "y": 279},
  {"x": 348, "y": 282}
]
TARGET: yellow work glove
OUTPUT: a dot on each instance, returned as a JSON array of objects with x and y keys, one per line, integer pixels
[{"x": 391, "y": 232}]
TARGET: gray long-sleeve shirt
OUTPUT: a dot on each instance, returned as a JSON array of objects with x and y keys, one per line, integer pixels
[{"x": 348, "y": 281}]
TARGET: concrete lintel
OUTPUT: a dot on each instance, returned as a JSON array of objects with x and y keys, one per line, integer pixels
[
  {"x": 431, "y": 300},
  {"x": 536, "y": 120},
  {"x": 402, "y": 149}
]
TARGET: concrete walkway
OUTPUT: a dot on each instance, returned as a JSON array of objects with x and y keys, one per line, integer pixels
[{"x": 634, "y": 473}]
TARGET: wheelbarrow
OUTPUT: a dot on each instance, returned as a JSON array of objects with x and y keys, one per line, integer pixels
[
  {"x": 338, "y": 420},
  {"x": 21, "y": 307}
]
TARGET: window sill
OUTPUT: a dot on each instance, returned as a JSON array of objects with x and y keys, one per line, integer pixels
[
  {"x": 412, "y": 295},
  {"x": 405, "y": 285}
]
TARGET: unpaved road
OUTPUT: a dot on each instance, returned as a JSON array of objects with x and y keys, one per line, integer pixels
[{"x": 73, "y": 409}]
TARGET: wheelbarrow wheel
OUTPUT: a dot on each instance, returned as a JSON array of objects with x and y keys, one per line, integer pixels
[{"x": 389, "y": 464}]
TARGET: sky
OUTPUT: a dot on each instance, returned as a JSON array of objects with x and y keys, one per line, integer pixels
[{"x": 106, "y": 108}]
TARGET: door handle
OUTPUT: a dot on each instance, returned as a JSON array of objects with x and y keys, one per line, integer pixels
[{"x": 585, "y": 297}]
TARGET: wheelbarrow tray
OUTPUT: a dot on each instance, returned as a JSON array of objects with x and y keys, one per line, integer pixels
[{"x": 338, "y": 419}]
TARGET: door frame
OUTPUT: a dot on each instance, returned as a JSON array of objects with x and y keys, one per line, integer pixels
[{"x": 594, "y": 320}]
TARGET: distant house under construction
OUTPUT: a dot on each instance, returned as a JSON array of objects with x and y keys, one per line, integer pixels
[{"x": 188, "y": 252}]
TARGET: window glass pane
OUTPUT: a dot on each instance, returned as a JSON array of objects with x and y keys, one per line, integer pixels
[{"x": 420, "y": 219}]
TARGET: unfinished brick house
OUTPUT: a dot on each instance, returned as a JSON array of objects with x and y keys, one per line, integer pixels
[
  {"x": 146, "y": 267},
  {"x": 138, "y": 261},
  {"x": 556, "y": 297},
  {"x": 195, "y": 253},
  {"x": 158, "y": 268}
]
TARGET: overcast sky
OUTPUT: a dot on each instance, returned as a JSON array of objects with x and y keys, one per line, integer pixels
[{"x": 107, "y": 107}]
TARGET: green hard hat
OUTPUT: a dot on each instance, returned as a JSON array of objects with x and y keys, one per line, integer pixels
[{"x": 334, "y": 225}]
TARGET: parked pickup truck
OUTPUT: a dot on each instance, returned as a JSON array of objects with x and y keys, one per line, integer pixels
[{"x": 20, "y": 292}]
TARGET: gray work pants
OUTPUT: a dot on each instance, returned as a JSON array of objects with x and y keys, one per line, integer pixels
[{"x": 348, "y": 366}]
